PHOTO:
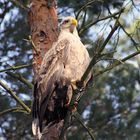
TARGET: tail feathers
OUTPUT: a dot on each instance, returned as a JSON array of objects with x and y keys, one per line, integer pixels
[{"x": 35, "y": 129}]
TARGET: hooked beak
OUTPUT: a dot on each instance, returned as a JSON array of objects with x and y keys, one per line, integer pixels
[{"x": 74, "y": 22}]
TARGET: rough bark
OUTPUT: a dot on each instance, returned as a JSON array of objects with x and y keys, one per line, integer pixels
[{"x": 44, "y": 31}]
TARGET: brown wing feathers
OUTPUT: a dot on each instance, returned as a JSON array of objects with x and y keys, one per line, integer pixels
[{"x": 50, "y": 94}]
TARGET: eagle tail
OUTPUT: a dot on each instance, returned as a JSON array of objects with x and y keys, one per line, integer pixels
[{"x": 36, "y": 129}]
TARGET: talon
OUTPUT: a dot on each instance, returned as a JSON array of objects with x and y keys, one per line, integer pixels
[
  {"x": 77, "y": 84},
  {"x": 74, "y": 84}
]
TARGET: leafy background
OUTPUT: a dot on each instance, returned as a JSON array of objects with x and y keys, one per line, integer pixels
[{"x": 112, "y": 105}]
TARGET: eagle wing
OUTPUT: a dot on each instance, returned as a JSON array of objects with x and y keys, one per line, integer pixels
[{"x": 50, "y": 83}]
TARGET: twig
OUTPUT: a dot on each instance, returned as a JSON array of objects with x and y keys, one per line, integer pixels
[
  {"x": 78, "y": 117},
  {"x": 94, "y": 22},
  {"x": 33, "y": 45},
  {"x": 19, "y": 4},
  {"x": 21, "y": 78},
  {"x": 129, "y": 35},
  {"x": 16, "y": 67},
  {"x": 15, "y": 97},
  {"x": 16, "y": 109},
  {"x": 86, "y": 5},
  {"x": 93, "y": 61},
  {"x": 116, "y": 64}
]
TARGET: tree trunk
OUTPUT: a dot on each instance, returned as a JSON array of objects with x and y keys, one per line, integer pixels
[{"x": 44, "y": 31}]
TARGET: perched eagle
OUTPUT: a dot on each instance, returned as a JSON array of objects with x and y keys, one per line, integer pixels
[{"x": 65, "y": 62}]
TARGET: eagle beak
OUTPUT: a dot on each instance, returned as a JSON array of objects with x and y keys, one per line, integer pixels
[{"x": 74, "y": 22}]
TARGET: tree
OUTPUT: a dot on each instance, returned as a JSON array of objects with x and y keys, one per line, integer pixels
[{"x": 112, "y": 102}]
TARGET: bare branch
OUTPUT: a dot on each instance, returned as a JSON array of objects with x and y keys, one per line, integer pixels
[
  {"x": 93, "y": 61},
  {"x": 15, "y": 97},
  {"x": 129, "y": 35},
  {"x": 86, "y": 5},
  {"x": 94, "y": 22},
  {"x": 16, "y": 67},
  {"x": 21, "y": 78},
  {"x": 16, "y": 109},
  {"x": 115, "y": 64},
  {"x": 33, "y": 44},
  {"x": 79, "y": 119}
]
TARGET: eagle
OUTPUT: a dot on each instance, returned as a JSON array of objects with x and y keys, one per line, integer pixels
[{"x": 63, "y": 64}]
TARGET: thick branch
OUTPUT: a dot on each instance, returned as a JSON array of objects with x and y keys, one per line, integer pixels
[
  {"x": 21, "y": 78},
  {"x": 16, "y": 67},
  {"x": 15, "y": 97},
  {"x": 93, "y": 61}
]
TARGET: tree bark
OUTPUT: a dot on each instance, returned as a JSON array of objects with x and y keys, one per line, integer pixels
[{"x": 44, "y": 31}]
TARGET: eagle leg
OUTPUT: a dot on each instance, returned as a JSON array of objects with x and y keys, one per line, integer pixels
[{"x": 78, "y": 87}]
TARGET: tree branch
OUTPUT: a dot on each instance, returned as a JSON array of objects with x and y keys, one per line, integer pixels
[
  {"x": 116, "y": 64},
  {"x": 79, "y": 119},
  {"x": 16, "y": 67},
  {"x": 86, "y": 5},
  {"x": 16, "y": 109},
  {"x": 94, "y": 22},
  {"x": 21, "y": 78},
  {"x": 96, "y": 56},
  {"x": 129, "y": 35},
  {"x": 19, "y": 4},
  {"x": 15, "y": 97}
]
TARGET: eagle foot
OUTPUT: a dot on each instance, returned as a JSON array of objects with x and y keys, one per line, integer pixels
[{"x": 78, "y": 86}]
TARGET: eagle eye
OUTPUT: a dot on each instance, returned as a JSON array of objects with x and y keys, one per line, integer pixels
[{"x": 66, "y": 21}]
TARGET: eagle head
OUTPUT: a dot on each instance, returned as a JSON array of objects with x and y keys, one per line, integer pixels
[{"x": 69, "y": 24}]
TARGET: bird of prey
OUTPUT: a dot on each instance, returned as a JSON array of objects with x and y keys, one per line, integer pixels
[{"x": 64, "y": 63}]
